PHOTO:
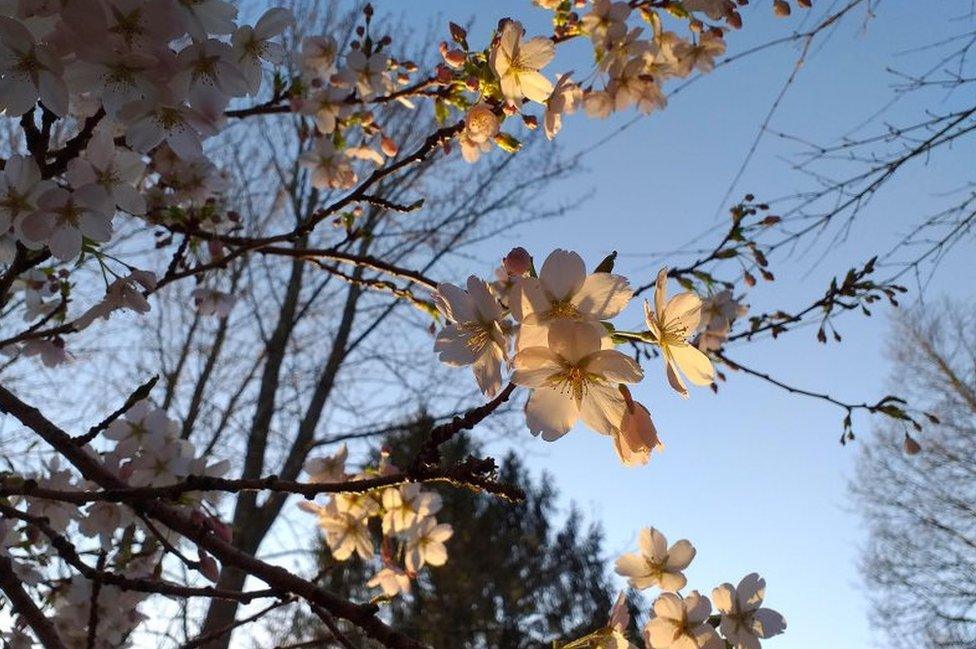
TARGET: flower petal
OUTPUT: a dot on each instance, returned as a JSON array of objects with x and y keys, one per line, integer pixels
[
  {"x": 602, "y": 295},
  {"x": 563, "y": 273},
  {"x": 551, "y": 413}
]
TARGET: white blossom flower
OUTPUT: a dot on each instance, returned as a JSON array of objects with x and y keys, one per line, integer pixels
[
  {"x": 102, "y": 520},
  {"x": 366, "y": 73},
  {"x": 563, "y": 290},
  {"x": 330, "y": 168},
  {"x": 64, "y": 218},
  {"x": 210, "y": 301},
  {"x": 202, "y": 17},
  {"x": 717, "y": 315},
  {"x": 123, "y": 293},
  {"x": 391, "y": 580},
  {"x": 115, "y": 171},
  {"x": 208, "y": 75},
  {"x": 115, "y": 77},
  {"x": 565, "y": 98},
  {"x": 606, "y": 22},
  {"x": 327, "y": 106},
  {"x": 142, "y": 427},
  {"x": 744, "y": 621},
  {"x": 517, "y": 64},
  {"x": 331, "y": 468},
  {"x": 20, "y": 187},
  {"x": 29, "y": 72},
  {"x": 681, "y": 623},
  {"x": 474, "y": 336},
  {"x": 51, "y": 351},
  {"x": 425, "y": 544},
  {"x": 671, "y": 323},
  {"x": 573, "y": 378},
  {"x": 345, "y": 533},
  {"x": 319, "y": 56},
  {"x": 656, "y": 564},
  {"x": 406, "y": 506},
  {"x": 701, "y": 55},
  {"x": 480, "y": 128},
  {"x": 59, "y": 514},
  {"x": 162, "y": 464},
  {"x": 166, "y": 119},
  {"x": 253, "y": 45}
]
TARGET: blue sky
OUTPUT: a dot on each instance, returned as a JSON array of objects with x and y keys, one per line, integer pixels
[{"x": 753, "y": 476}]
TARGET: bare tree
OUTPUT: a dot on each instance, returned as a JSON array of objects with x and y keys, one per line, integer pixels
[{"x": 920, "y": 506}]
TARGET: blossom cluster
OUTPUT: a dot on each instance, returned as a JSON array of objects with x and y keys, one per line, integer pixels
[
  {"x": 552, "y": 330},
  {"x": 410, "y": 535},
  {"x": 685, "y": 621},
  {"x": 146, "y": 451}
]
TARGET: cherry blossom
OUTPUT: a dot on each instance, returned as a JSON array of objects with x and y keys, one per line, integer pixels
[
  {"x": 20, "y": 187},
  {"x": 426, "y": 544},
  {"x": 330, "y": 168},
  {"x": 366, "y": 73},
  {"x": 64, "y": 218},
  {"x": 346, "y": 533},
  {"x": 480, "y": 127},
  {"x": 331, "y": 468},
  {"x": 474, "y": 336},
  {"x": 517, "y": 64},
  {"x": 210, "y": 301},
  {"x": 671, "y": 323},
  {"x": 607, "y": 21},
  {"x": 29, "y": 72},
  {"x": 319, "y": 55},
  {"x": 744, "y": 621},
  {"x": 681, "y": 623},
  {"x": 572, "y": 378},
  {"x": 656, "y": 564},
  {"x": 563, "y": 290},
  {"x": 391, "y": 580},
  {"x": 115, "y": 171},
  {"x": 328, "y": 106},
  {"x": 252, "y": 45}
]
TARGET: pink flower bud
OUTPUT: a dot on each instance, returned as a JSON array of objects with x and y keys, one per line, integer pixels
[
  {"x": 454, "y": 58},
  {"x": 443, "y": 75},
  {"x": 389, "y": 147},
  {"x": 781, "y": 8},
  {"x": 517, "y": 262}
]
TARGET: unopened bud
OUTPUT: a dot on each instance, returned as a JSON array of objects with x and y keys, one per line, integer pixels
[
  {"x": 781, "y": 8},
  {"x": 473, "y": 83},
  {"x": 389, "y": 147},
  {"x": 454, "y": 58},
  {"x": 749, "y": 279},
  {"x": 443, "y": 75},
  {"x": 911, "y": 446},
  {"x": 734, "y": 20},
  {"x": 458, "y": 33},
  {"x": 517, "y": 262},
  {"x": 806, "y": 4},
  {"x": 531, "y": 121}
]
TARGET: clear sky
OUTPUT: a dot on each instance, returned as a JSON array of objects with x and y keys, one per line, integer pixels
[{"x": 753, "y": 476}]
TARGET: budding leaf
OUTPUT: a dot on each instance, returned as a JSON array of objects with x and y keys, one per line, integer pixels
[{"x": 507, "y": 142}]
